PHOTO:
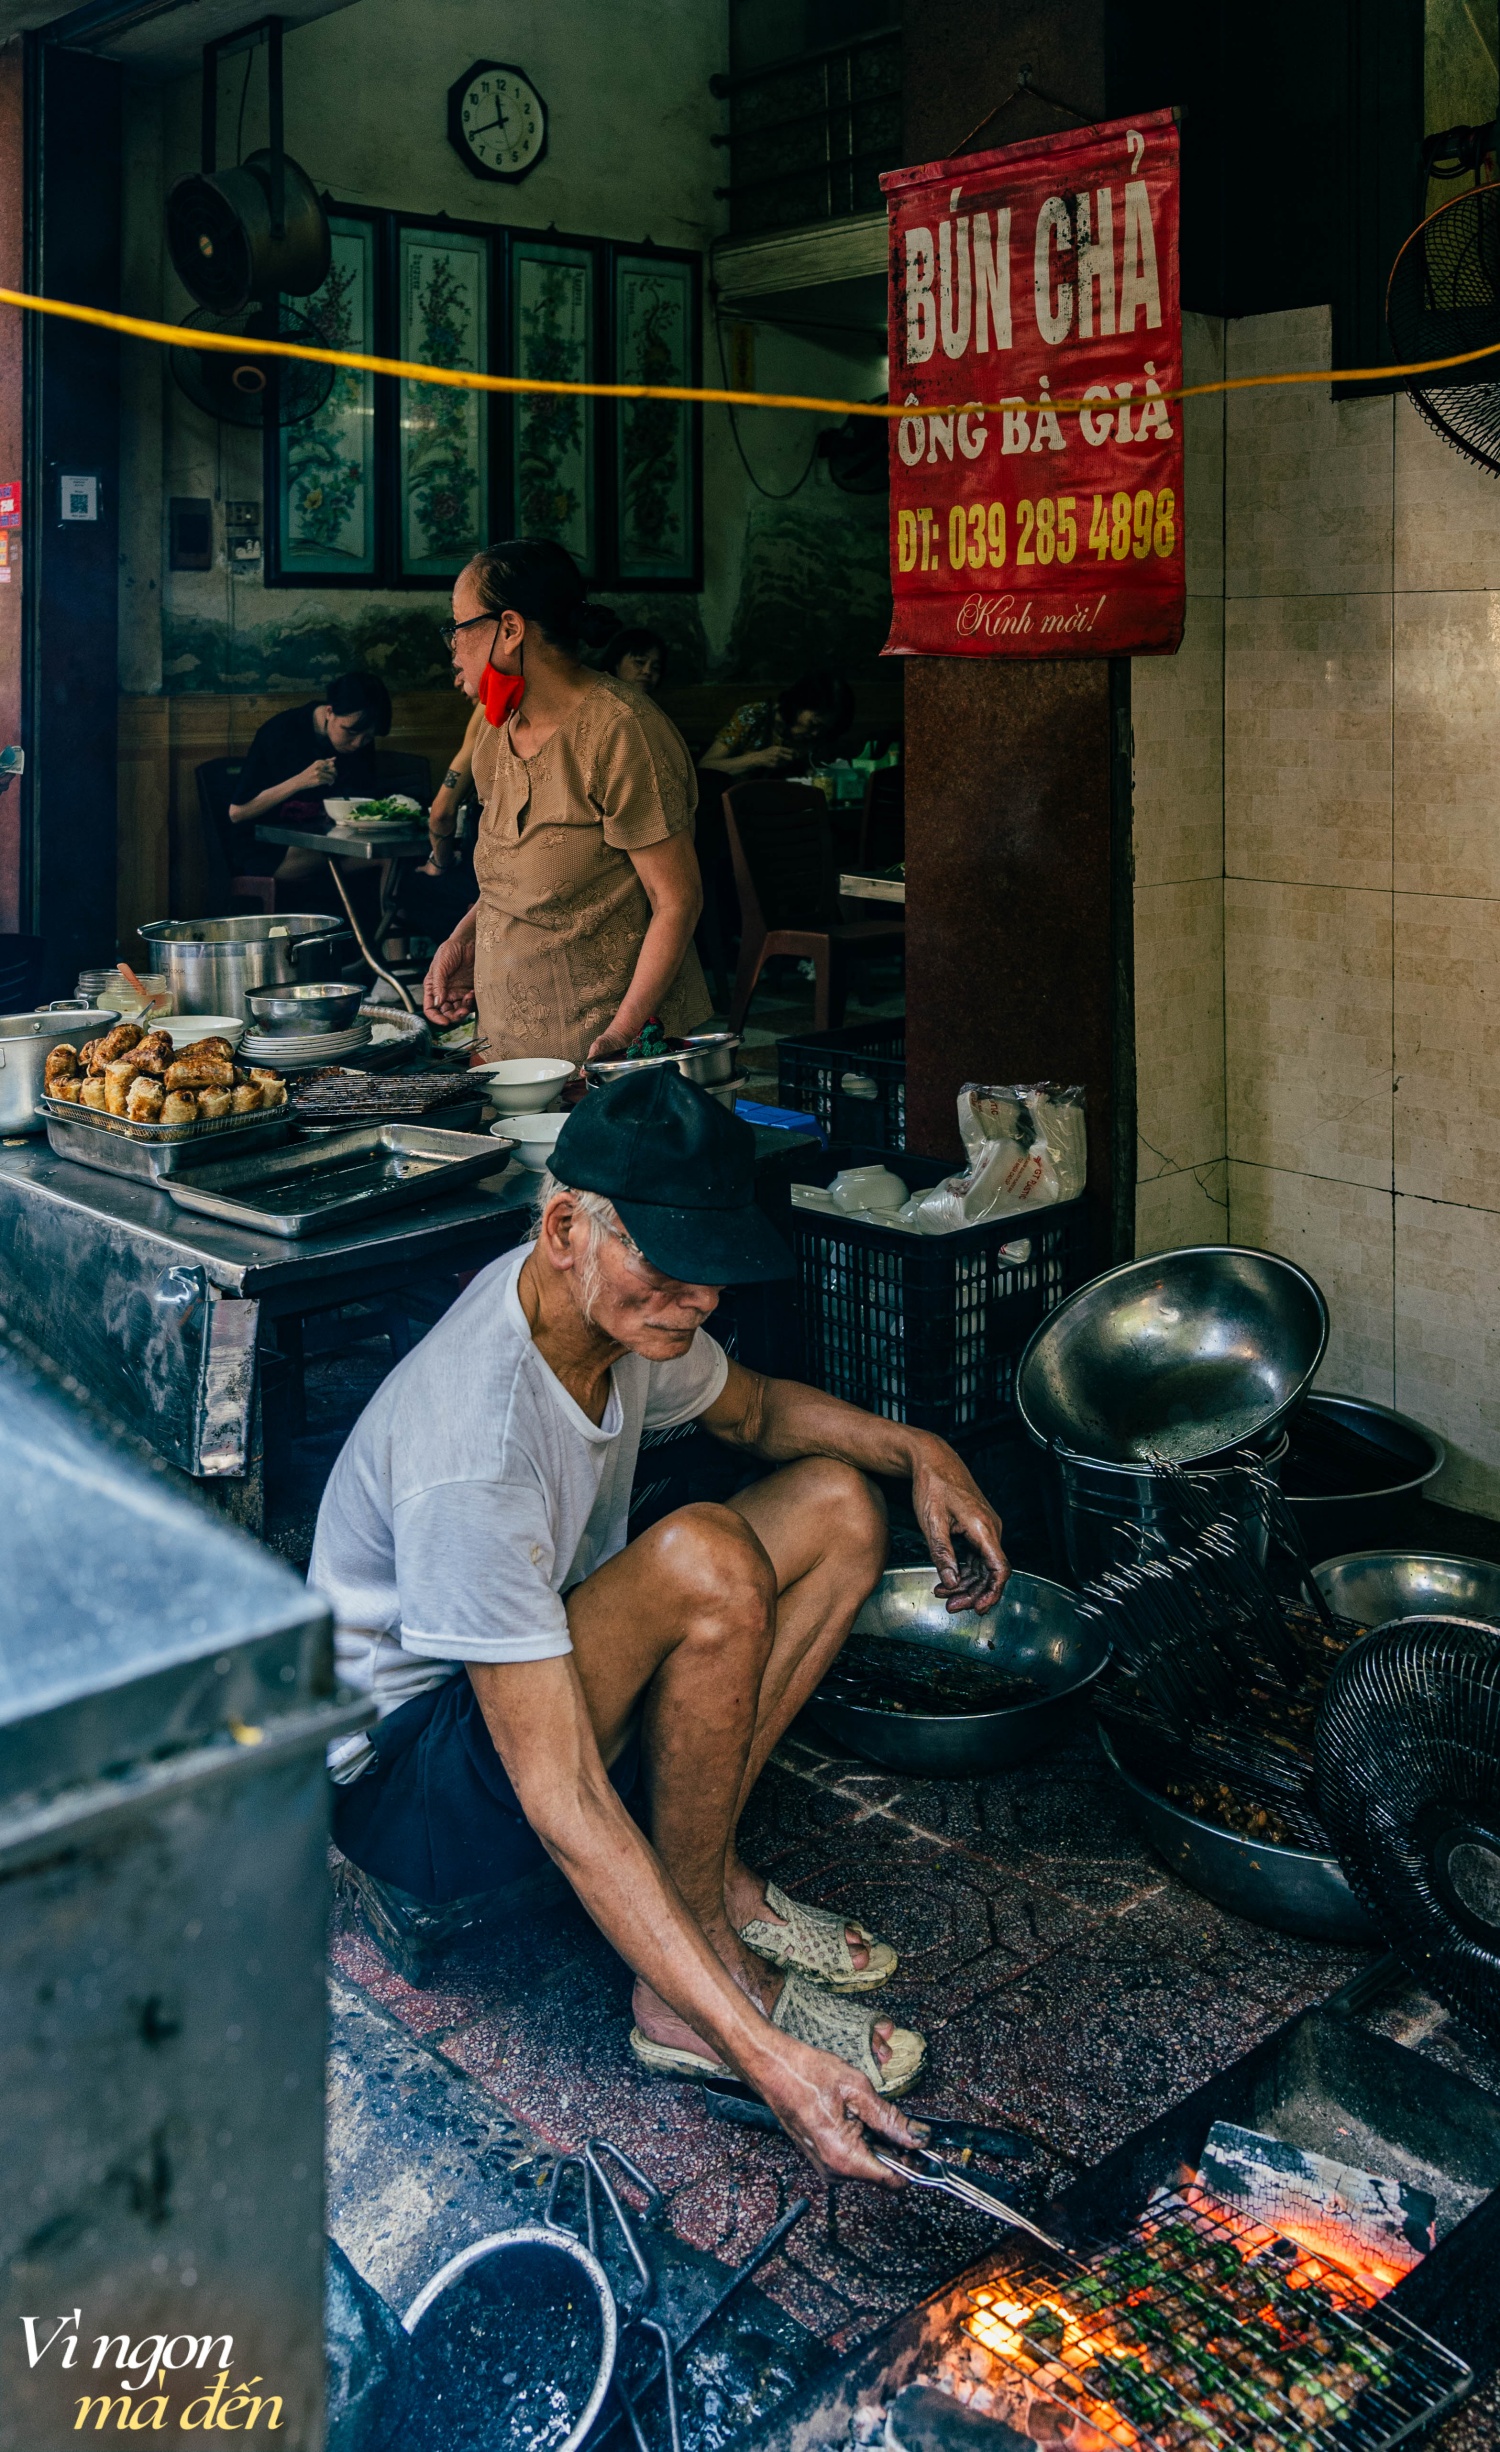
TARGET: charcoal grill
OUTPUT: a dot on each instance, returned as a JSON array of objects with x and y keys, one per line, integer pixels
[{"x": 1323, "y": 2084}]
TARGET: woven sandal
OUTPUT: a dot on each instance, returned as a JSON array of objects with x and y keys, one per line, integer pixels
[
  {"x": 815, "y": 1942},
  {"x": 810, "y": 2014}
]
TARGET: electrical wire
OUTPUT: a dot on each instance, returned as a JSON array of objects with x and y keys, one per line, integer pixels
[
  {"x": 734, "y": 428},
  {"x": 463, "y": 379}
]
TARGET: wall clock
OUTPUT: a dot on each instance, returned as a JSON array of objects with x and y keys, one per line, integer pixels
[{"x": 497, "y": 121}]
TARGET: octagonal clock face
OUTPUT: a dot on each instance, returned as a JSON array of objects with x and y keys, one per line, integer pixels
[{"x": 497, "y": 121}]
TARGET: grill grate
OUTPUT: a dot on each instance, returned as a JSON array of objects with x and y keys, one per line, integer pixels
[{"x": 1205, "y": 2333}]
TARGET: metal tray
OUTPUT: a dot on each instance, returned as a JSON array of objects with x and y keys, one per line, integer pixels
[
  {"x": 340, "y": 1182},
  {"x": 152, "y": 1151}
]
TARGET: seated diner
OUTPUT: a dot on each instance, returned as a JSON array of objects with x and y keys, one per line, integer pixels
[
  {"x": 298, "y": 758},
  {"x": 782, "y": 735},
  {"x": 548, "y": 1688},
  {"x": 637, "y": 655}
]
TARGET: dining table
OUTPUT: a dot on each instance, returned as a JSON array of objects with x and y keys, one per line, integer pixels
[{"x": 402, "y": 848}]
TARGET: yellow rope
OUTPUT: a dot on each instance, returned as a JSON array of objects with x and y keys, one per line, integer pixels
[{"x": 458, "y": 378}]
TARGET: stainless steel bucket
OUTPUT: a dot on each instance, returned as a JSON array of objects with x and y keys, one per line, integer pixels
[
  {"x": 25, "y": 1039},
  {"x": 1114, "y": 1514},
  {"x": 209, "y": 964},
  {"x": 525, "y": 2316}
]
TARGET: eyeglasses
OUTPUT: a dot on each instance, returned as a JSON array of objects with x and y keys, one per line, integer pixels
[
  {"x": 448, "y": 631},
  {"x": 636, "y": 1255}
]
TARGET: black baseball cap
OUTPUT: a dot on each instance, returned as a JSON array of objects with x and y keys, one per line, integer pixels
[{"x": 680, "y": 1171}]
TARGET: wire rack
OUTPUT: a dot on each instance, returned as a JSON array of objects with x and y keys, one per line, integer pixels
[{"x": 1204, "y": 2333}]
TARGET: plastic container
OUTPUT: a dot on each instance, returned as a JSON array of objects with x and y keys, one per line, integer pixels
[
  {"x": 853, "y": 1081},
  {"x": 927, "y": 1329}
]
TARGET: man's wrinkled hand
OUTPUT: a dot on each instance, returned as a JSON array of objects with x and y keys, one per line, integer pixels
[
  {"x": 950, "y": 1507},
  {"x": 826, "y": 2107}
]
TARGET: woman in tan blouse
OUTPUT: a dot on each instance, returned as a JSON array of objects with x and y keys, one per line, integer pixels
[{"x": 589, "y": 889}]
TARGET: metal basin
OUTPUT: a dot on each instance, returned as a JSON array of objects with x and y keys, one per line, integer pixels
[
  {"x": 1288, "y": 1888},
  {"x": 1354, "y": 1470},
  {"x": 26, "y": 1041},
  {"x": 1035, "y": 1630},
  {"x": 1377, "y": 1587},
  {"x": 210, "y": 965},
  {"x": 532, "y": 2305},
  {"x": 315, "y": 1004},
  {"x": 1182, "y": 1356},
  {"x": 705, "y": 1056}
]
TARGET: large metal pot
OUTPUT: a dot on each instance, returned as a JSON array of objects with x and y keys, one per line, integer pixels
[
  {"x": 25, "y": 1041},
  {"x": 1290, "y": 1889},
  {"x": 1034, "y": 1630},
  {"x": 1115, "y": 1514},
  {"x": 210, "y": 964},
  {"x": 1355, "y": 1471}
]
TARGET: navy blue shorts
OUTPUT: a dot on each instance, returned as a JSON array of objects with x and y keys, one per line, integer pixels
[{"x": 437, "y": 1815}]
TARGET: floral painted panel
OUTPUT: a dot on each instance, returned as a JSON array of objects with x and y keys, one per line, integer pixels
[
  {"x": 444, "y": 469},
  {"x": 655, "y": 476},
  {"x": 552, "y": 336},
  {"x": 327, "y": 488}
]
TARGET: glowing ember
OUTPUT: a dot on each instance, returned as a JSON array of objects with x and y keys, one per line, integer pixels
[{"x": 1202, "y": 2331}]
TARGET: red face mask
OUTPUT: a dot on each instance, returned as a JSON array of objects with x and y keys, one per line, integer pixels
[{"x": 501, "y": 693}]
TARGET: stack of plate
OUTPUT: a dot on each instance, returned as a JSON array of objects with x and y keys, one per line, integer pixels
[{"x": 298, "y": 1051}]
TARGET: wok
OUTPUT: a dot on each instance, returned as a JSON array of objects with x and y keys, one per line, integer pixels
[
  {"x": 1182, "y": 1356},
  {"x": 1034, "y": 1630}
]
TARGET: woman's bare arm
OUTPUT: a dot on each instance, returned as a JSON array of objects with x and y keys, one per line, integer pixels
[{"x": 674, "y": 888}]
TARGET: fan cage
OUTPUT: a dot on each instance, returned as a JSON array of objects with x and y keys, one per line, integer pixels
[{"x": 1443, "y": 300}]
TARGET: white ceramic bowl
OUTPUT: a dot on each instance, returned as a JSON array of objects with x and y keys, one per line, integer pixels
[
  {"x": 533, "y": 1136},
  {"x": 524, "y": 1085},
  {"x": 861, "y": 1188},
  {"x": 188, "y": 1028}
]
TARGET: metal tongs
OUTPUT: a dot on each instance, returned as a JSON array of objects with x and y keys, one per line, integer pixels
[{"x": 936, "y": 2173}]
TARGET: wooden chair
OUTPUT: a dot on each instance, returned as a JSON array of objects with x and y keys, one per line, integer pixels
[
  {"x": 781, "y": 844},
  {"x": 882, "y": 827}
]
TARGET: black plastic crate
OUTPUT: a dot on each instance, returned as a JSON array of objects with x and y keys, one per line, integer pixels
[
  {"x": 928, "y": 1329},
  {"x": 810, "y": 1075}
]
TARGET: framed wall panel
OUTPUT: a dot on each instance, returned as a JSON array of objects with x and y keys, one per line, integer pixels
[
  {"x": 442, "y": 473},
  {"x": 321, "y": 474},
  {"x": 658, "y": 519},
  {"x": 554, "y": 315}
]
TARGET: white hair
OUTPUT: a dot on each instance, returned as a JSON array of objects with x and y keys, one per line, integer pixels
[{"x": 603, "y": 1220}]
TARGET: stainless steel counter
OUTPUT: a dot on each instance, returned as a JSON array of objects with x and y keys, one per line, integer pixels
[{"x": 158, "y": 1314}]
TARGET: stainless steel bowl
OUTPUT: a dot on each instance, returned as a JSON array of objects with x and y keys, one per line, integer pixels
[
  {"x": 1290, "y": 1889},
  {"x": 26, "y": 1041},
  {"x": 1035, "y": 1630},
  {"x": 1184, "y": 1355},
  {"x": 706, "y": 1057},
  {"x": 315, "y": 1005},
  {"x": 1377, "y": 1587}
]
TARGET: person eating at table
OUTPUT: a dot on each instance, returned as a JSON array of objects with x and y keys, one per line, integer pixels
[
  {"x": 782, "y": 735},
  {"x": 589, "y": 889},
  {"x": 295, "y": 760},
  {"x": 546, "y": 1687}
]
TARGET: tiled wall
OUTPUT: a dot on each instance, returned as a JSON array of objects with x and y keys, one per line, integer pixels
[{"x": 1318, "y": 794}]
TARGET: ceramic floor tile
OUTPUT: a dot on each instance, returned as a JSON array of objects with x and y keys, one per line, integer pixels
[
  {"x": 1448, "y": 1342},
  {"x": 1447, "y": 739},
  {"x": 1179, "y": 1025},
  {"x": 1447, "y": 1041},
  {"x": 1174, "y": 1210},
  {"x": 1341, "y": 1233},
  {"x": 1307, "y": 739},
  {"x": 1177, "y": 719},
  {"x": 1307, "y": 1003},
  {"x": 1308, "y": 479}
]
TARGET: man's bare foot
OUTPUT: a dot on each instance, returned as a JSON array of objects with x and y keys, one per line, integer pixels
[
  {"x": 662, "y": 2025},
  {"x": 745, "y": 1902}
]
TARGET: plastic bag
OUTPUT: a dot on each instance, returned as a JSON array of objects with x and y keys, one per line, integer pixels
[{"x": 1027, "y": 1148}]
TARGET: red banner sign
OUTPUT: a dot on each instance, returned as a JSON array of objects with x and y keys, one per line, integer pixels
[{"x": 1040, "y": 273}]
